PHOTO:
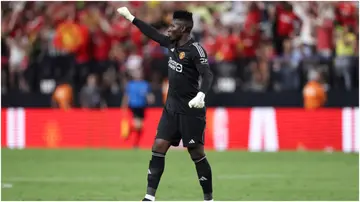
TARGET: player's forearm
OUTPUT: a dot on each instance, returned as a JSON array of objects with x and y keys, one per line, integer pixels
[
  {"x": 150, "y": 32},
  {"x": 124, "y": 101},
  {"x": 207, "y": 78},
  {"x": 145, "y": 28}
]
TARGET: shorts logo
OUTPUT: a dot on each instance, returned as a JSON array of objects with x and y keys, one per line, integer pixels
[{"x": 181, "y": 55}]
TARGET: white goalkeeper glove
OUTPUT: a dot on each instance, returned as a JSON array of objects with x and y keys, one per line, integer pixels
[
  {"x": 126, "y": 13},
  {"x": 198, "y": 101}
]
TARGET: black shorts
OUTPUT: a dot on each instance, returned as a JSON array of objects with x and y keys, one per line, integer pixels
[
  {"x": 173, "y": 127},
  {"x": 138, "y": 112}
]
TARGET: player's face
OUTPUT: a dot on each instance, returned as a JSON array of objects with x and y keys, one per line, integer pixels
[{"x": 175, "y": 30}]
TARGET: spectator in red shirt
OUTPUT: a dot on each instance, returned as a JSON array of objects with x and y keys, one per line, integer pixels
[
  {"x": 82, "y": 55},
  {"x": 120, "y": 29},
  {"x": 324, "y": 30},
  {"x": 101, "y": 41},
  {"x": 137, "y": 39},
  {"x": 209, "y": 43},
  {"x": 284, "y": 22},
  {"x": 253, "y": 17},
  {"x": 226, "y": 54},
  {"x": 101, "y": 50},
  {"x": 250, "y": 35},
  {"x": 346, "y": 14},
  {"x": 250, "y": 40},
  {"x": 226, "y": 45}
]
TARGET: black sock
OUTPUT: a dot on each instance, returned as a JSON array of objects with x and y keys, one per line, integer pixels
[
  {"x": 156, "y": 169},
  {"x": 205, "y": 177}
]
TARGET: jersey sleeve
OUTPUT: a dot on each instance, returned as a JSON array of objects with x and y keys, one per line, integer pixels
[
  {"x": 199, "y": 56},
  {"x": 152, "y": 33}
]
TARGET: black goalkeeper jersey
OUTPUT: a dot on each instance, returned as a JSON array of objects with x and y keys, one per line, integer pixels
[
  {"x": 187, "y": 65},
  {"x": 184, "y": 78}
]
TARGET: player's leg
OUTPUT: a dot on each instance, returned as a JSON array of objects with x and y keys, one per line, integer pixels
[
  {"x": 166, "y": 133},
  {"x": 156, "y": 167},
  {"x": 138, "y": 125},
  {"x": 131, "y": 124},
  {"x": 192, "y": 131},
  {"x": 203, "y": 170}
]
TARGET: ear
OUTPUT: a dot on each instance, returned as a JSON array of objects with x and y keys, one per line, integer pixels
[{"x": 183, "y": 28}]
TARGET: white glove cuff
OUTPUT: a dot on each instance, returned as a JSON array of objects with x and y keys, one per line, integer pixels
[{"x": 131, "y": 18}]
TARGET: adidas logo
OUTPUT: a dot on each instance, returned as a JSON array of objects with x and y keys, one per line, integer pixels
[
  {"x": 149, "y": 172},
  {"x": 191, "y": 141},
  {"x": 202, "y": 178}
]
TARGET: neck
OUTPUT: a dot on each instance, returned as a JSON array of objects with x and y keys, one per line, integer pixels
[{"x": 184, "y": 39}]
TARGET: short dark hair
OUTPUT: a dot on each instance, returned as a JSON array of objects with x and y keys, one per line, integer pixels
[
  {"x": 183, "y": 15},
  {"x": 186, "y": 17}
]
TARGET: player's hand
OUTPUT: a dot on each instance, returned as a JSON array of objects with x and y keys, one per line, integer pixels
[
  {"x": 126, "y": 13},
  {"x": 150, "y": 98},
  {"x": 198, "y": 101}
]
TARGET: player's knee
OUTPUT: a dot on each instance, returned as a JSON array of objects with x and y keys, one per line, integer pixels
[
  {"x": 138, "y": 124},
  {"x": 197, "y": 152},
  {"x": 161, "y": 146}
]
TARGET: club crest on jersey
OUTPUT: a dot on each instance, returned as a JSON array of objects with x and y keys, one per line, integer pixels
[{"x": 181, "y": 55}]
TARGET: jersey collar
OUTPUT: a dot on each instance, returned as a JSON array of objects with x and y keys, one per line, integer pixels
[{"x": 191, "y": 40}]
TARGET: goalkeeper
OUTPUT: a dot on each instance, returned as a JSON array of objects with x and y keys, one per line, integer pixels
[{"x": 183, "y": 116}]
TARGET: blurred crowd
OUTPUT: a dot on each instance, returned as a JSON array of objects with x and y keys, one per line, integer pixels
[{"x": 252, "y": 46}]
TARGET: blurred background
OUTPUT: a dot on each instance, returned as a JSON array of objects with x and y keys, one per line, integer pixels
[
  {"x": 265, "y": 50},
  {"x": 286, "y": 77}
]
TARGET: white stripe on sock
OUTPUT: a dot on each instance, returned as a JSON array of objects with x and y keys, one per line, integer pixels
[
  {"x": 152, "y": 198},
  {"x": 200, "y": 159},
  {"x": 158, "y": 154}
]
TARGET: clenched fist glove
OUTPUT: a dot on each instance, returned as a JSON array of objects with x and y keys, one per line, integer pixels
[
  {"x": 126, "y": 13},
  {"x": 198, "y": 101}
]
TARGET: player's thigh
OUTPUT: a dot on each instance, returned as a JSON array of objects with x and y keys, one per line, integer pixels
[
  {"x": 138, "y": 122},
  {"x": 138, "y": 112},
  {"x": 168, "y": 128},
  {"x": 192, "y": 130},
  {"x": 138, "y": 116}
]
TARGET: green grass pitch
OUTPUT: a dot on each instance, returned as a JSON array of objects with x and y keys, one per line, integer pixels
[{"x": 121, "y": 175}]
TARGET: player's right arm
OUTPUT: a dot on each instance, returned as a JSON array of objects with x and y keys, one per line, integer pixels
[
  {"x": 125, "y": 98},
  {"x": 150, "y": 97},
  {"x": 199, "y": 56},
  {"x": 145, "y": 28}
]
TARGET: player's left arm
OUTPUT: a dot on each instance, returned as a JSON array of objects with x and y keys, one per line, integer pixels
[
  {"x": 199, "y": 56},
  {"x": 125, "y": 97},
  {"x": 150, "y": 97},
  {"x": 202, "y": 65}
]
